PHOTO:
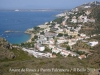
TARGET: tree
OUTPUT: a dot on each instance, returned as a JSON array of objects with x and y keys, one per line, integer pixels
[
  {"x": 70, "y": 36},
  {"x": 55, "y": 40},
  {"x": 42, "y": 33},
  {"x": 60, "y": 35},
  {"x": 65, "y": 35},
  {"x": 36, "y": 28},
  {"x": 47, "y": 49},
  {"x": 59, "y": 20},
  {"x": 35, "y": 37},
  {"x": 22, "y": 44},
  {"x": 78, "y": 34},
  {"x": 68, "y": 47}
]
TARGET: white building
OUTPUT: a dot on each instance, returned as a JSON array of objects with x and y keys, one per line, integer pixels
[
  {"x": 93, "y": 43},
  {"x": 85, "y": 19},
  {"x": 87, "y": 6},
  {"x": 61, "y": 15},
  {"x": 46, "y": 30},
  {"x": 65, "y": 53},
  {"x": 40, "y": 47},
  {"x": 56, "y": 50},
  {"x": 61, "y": 40},
  {"x": 74, "y": 20},
  {"x": 51, "y": 41},
  {"x": 83, "y": 35},
  {"x": 38, "y": 54},
  {"x": 51, "y": 46}
]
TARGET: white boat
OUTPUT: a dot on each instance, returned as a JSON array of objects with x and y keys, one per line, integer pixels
[{"x": 16, "y": 10}]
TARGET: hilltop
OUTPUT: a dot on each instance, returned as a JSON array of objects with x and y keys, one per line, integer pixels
[{"x": 88, "y": 5}]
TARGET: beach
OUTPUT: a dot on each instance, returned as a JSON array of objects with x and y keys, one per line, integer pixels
[{"x": 32, "y": 36}]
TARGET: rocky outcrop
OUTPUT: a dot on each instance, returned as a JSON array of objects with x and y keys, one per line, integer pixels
[{"x": 5, "y": 50}]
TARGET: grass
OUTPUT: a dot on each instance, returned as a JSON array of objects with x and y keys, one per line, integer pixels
[{"x": 21, "y": 55}]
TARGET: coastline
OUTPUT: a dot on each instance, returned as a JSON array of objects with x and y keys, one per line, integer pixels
[{"x": 32, "y": 36}]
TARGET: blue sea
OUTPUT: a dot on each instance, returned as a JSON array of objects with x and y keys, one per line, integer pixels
[{"x": 21, "y": 21}]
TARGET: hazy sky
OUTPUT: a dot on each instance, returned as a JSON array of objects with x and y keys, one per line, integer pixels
[{"x": 41, "y": 4}]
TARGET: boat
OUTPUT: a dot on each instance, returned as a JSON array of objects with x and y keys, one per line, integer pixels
[
  {"x": 8, "y": 31},
  {"x": 16, "y": 10}
]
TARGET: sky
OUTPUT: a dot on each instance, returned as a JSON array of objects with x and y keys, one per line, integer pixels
[{"x": 41, "y": 4}]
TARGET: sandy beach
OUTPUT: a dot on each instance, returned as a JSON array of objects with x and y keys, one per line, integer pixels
[{"x": 32, "y": 36}]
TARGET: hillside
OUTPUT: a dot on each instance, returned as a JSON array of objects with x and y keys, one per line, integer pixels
[
  {"x": 5, "y": 48},
  {"x": 23, "y": 60},
  {"x": 92, "y": 28}
]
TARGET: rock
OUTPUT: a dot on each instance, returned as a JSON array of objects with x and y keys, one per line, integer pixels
[
  {"x": 11, "y": 55},
  {"x": 5, "y": 50}
]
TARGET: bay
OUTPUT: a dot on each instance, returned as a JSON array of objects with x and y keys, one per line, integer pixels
[{"x": 21, "y": 21}]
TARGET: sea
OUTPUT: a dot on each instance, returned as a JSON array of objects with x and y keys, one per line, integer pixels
[{"x": 19, "y": 22}]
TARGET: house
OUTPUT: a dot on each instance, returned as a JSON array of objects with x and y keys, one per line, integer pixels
[
  {"x": 83, "y": 35},
  {"x": 39, "y": 47},
  {"x": 66, "y": 17},
  {"x": 54, "y": 56},
  {"x": 73, "y": 54},
  {"x": 93, "y": 43},
  {"x": 51, "y": 46},
  {"x": 61, "y": 40},
  {"x": 61, "y": 15},
  {"x": 73, "y": 33},
  {"x": 51, "y": 41},
  {"x": 46, "y": 23},
  {"x": 46, "y": 30},
  {"x": 75, "y": 10},
  {"x": 50, "y": 34},
  {"x": 64, "y": 53},
  {"x": 55, "y": 50},
  {"x": 82, "y": 56},
  {"x": 64, "y": 22},
  {"x": 71, "y": 43},
  {"x": 43, "y": 26},
  {"x": 74, "y": 20},
  {"x": 57, "y": 26},
  {"x": 48, "y": 55},
  {"x": 87, "y": 6},
  {"x": 42, "y": 39},
  {"x": 85, "y": 19},
  {"x": 82, "y": 19}
]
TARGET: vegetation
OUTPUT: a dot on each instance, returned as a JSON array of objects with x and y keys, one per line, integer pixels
[
  {"x": 28, "y": 44},
  {"x": 65, "y": 35},
  {"x": 58, "y": 20},
  {"x": 60, "y": 35},
  {"x": 47, "y": 49},
  {"x": 81, "y": 46},
  {"x": 68, "y": 47},
  {"x": 42, "y": 33},
  {"x": 92, "y": 28}
]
